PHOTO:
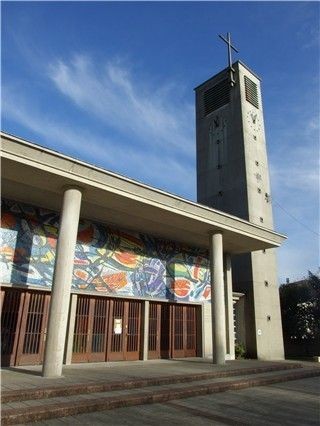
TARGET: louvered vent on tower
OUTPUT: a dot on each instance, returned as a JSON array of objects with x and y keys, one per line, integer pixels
[
  {"x": 216, "y": 97},
  {"x": 251, "y": 91}
]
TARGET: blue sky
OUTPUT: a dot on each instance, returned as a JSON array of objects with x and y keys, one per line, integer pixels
[{"x": 112, "y": 83}]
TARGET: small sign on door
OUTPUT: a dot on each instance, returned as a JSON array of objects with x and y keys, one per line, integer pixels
[{"x": 117, "y": 326}]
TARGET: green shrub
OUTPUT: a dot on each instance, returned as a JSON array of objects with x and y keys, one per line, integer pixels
[{"x": 240, "y": 351}]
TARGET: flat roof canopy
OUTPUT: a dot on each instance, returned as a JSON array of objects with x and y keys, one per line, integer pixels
[{"x": 37, "y": 175}]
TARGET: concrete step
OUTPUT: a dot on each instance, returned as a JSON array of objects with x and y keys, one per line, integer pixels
[
  {"x": 84, "y": 388},
  {"x": 71, "y": 405}
]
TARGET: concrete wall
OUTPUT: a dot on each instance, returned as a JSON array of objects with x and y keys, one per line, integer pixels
[
  {"x": 206, "y": 331},
  {"x": 217, "y": 187},
  {"x": 240, "y": 186},
  {"x": 237, "y": 321}
]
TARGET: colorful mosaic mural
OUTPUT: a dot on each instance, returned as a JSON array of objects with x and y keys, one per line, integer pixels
[{"x": 106, "y": 260}]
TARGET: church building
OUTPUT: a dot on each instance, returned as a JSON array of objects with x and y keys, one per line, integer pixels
[{"x": 96, "y": 267}]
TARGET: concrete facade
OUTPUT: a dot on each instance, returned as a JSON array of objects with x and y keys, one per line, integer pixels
[
  {"x": 37, "y": 176},
  {"x": 233, "y": 176}
]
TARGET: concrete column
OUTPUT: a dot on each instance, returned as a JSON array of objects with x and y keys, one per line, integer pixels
[
  {"x": 217, "y": 299},
  {"x": 62, "y": 277},
  {"x": 70, "y": 330},
  {"x": 145, "y": 331},
  {"x": 229, "y": 307},
  {"x": 206, "y": 330}
]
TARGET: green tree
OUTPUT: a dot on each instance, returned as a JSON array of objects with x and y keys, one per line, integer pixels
[{"x": 300, "y": 308}]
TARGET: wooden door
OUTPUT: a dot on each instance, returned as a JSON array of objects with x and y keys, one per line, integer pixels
[
  {"x": 190, "y": 316},
  {"x": 166, "y": 330},
  {"x": 159, "y": 339},
  {"x": 124, "y": 330},
  {"x": 99, "y": 330},
  {"x": 116, "y": 343},
  {"x": 12, "y": 301},
  {"x": 81, "y": 330},
  {"x": 178, "y": 332},
  {"x": 30, "y": 348},
  {"x": 184, "y": 331},
  {"x": 154, "y": 336},
  {"x": 133, "y": 328},
  {"x": 90, "y": 331}
]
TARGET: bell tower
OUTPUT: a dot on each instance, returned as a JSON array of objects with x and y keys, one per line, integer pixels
[{"x": 233, "y": 176}]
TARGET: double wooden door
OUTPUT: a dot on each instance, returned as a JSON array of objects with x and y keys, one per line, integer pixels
[
  {"x": 173, "y": 330},
  {"x": 107, "y": 330},
  {"x": 90, "y": 332},
  {"x": 24, "y": 317},
  {"x": 184, "y": 331}
]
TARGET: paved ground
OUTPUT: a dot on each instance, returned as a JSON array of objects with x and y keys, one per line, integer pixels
[
  {"x": 292, "y": 403},
  {"x": 29, "y": 377}
]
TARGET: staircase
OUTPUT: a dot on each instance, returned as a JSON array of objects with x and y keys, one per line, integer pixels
[{"x": 37, "y": 404}]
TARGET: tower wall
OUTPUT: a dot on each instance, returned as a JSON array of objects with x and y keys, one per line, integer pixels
[{"x": 233, "y": 176}]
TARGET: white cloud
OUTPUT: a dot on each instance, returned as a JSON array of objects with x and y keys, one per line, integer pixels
[
  {"x": 296, "y": 260},
  {"x": 295, "y": 150},
  {"x": 141, "y": 132},
  {"x": 111, "y": 94},
  {"x": 168, "y": 173},
  {"x": 148, "y": 134},
  {"x": 294, "y": 170}
]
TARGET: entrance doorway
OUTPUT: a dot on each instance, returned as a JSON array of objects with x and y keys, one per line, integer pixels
[
  {"x": 23, "y": 326},
  {"x": 90, "y": 332},
  {"x": 107, "y": 330},
  {"x": 173, "y": 330},
  {"x": 125, "y": 330}
]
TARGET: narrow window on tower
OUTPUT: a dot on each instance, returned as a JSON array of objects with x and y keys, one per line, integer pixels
[
  {"x": 251, "y": 91},
  {"x": 216, "y": 97}
]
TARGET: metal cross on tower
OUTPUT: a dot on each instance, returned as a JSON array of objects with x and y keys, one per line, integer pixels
[{"x": 230, "y": 48}]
